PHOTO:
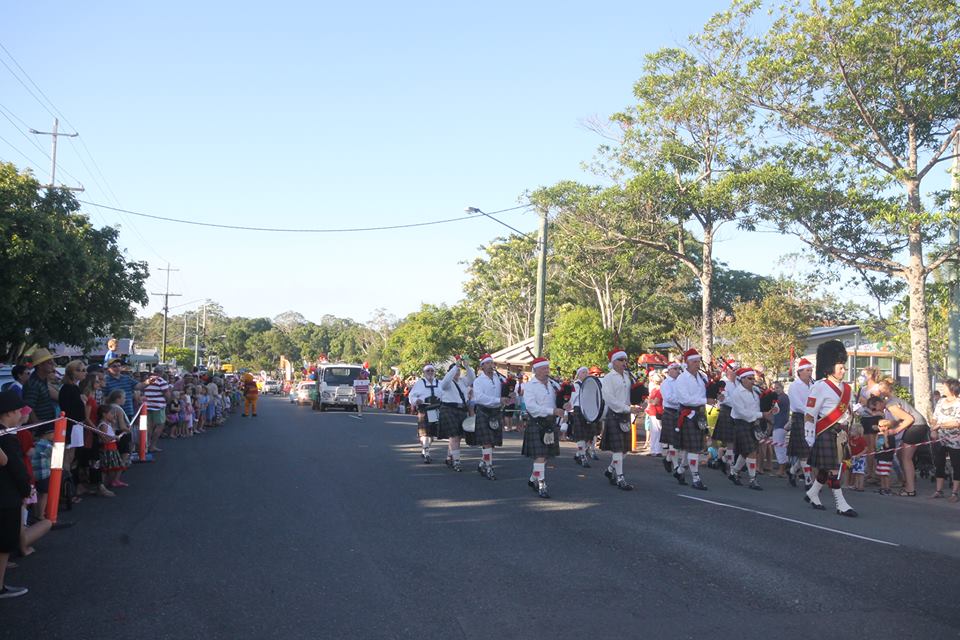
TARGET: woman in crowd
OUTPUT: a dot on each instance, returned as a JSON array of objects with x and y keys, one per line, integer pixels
[
  {"x": 869, "y": 380},
  {"x": 946, "y": 430},
  {"x": 911, "y": 429},
  {"x": 72, "y": 405},
  {"x": 89, "y": 456}
]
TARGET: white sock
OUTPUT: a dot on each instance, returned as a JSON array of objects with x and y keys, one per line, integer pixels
[
  {"x": 456, "y": 455},
  {"x": 807, "y": 474},
  {"x": 740, "y": 464},
  {"x": 681, "y": 461},
  {"x": 728, "y": 456},
  {"x": 487, "y": 456},
  {"x": 693, "y": 460},
  {"x": 539, "y": 472},
  {"x": 581, "y": 447},
  {"x": 617, "y": 463}
]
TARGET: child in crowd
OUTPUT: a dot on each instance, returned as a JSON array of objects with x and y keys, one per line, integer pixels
[
  {"x": 186, "y": 412},
  {"x": 173, "y": 416},
  {"x": 40, "y": 457},
  {"x": 121, "y": 428},
  {"x": 111, "y": 464},
  {"x": 202, "y": 401},
  {"x": 876, "y": 405},
  {"x": 858, "y": 464}
]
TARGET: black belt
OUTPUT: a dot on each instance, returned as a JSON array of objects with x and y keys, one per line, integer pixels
[
  {"x": 484, "y": 409},
  {"x": 453, "y": 405}
]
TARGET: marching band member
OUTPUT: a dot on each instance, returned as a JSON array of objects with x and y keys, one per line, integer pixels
[
  {"x": 425, "y": 400},
  {"x": 797, "y": 448},
  {"x": 541, "y": 438},
  {"x": 827, "y": 414},
  {"x": 724, "y": 431},
  {"x": 596, "y": 372},
  {"x": 616, "y": 419},
  {"x": 580, "y": 430},
  {"x": 668, "y": 423},
  {"x": 454, "y": 409},
  {"x": 745, "y": 411},
  {"x": 488, "y": 403},
  {"x": 690, "y": 392}
]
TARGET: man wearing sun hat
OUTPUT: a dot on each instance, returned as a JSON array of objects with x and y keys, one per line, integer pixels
[{"x": 39, "y": 393}]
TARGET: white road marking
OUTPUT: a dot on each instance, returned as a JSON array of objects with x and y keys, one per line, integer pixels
[{"x": 806, "y": 524}]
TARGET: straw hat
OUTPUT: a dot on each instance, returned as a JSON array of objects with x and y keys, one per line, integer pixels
[{"x": 39, "y": 356}]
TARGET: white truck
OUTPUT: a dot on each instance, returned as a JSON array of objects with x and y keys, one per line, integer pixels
[{"x": 335, "y": 386}]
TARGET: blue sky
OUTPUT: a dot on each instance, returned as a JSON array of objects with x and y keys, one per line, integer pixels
[{"x": 322, "y": 115}]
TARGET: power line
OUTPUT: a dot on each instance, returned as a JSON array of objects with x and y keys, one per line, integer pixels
[
  {"x": 288, "y": 230},
  {"x": 33, "y": 163}
]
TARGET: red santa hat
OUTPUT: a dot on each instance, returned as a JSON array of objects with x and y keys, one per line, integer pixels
[
  {"x": 744, "y": 372},
  {"x": 539, "y": 362},
  {"x": 730, "y": 364},
  {"x": 616, "y": 354},
  {"x": 485, "y": 358},
  {"x": 691, "y": 354},
  {"x": 804, "y": 364},
  {"x": 674, "y": 365}
]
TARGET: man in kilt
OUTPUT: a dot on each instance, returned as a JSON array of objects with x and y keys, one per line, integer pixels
[
  {"x": 797, "y": 448},
  {"x": 580, "y": 430},
  {"x": 669, "y": 436},
  {"x": 616, "y": 418},
  {"x": 690, "y": 391},
  {"x": 827, "y": 415},
  {"x": 541, "y": 438},
  {"x": 488, "y": 404},
  {"x": 454, "y": 393},
  {"x": 746, "y": 413},
  {"x": 724, "y": 431},
  {"x": 425, "y": 400}
]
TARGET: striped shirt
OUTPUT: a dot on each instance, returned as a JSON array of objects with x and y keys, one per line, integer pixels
[
  {"x": 155, "y": 393},
  {"x": 125, "y": 384}
]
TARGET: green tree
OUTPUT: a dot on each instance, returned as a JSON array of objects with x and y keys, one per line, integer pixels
[
  {"x": 578, "y": 339},
  {"x": 869, "y": 94},
  {"x": 434, "y": 334},
  {"x": 63, "y": 279}
]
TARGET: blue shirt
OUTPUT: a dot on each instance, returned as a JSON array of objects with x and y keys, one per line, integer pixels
[{"x": 127, "y": 385}]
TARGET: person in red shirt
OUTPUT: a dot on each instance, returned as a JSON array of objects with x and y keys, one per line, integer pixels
[
  {"x": 858, "y": 461},
  {"x": 654, "y": 411}
]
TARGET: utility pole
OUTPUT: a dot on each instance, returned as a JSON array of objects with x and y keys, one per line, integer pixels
[
  {"x": 196, "y": 336},
  {"x": 53, "y": 167},
  {"x": 541, "y": 285},
  {"x": 166, "y": 310},
  {"x": 953, "y": 345},
  {"x": 184, "y": 345}
]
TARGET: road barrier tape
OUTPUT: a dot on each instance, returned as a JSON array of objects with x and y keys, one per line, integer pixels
[{"x": 24, "y": 427}]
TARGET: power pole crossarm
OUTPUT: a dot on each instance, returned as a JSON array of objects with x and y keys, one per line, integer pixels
[
  {"x": 166, "y": 310},
  {"x": 56, "y": 133}
]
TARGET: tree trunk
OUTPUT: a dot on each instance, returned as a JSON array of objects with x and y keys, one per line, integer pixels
[
  {"x": 706, "y": 290},
  {"x": 919, "y": 334}
]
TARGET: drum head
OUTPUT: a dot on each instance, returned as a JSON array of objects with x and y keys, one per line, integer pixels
[{"x": 591, "y": 399}]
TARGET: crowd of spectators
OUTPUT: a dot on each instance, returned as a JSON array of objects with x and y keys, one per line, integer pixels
[{"x": 101, "y": 404}]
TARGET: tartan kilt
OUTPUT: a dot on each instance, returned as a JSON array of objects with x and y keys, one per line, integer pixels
[
  {"x": 724, "y": 431},
  {"x": 613, "y": 438},
  {"x": 429, "y": 429},
  {"x": 484, "y": 436},
  {"x": 451, "y": 422},
  {"x": 797, "y": 442},
  {"x": 580, "y": 429},
  {"x": 691, "y": 437},
  {"x": 743, "y": 441},
  {"x": 533, "y": 446},
  {"x": 823, "y": 453},
  {"x": 668, "y": 422}
]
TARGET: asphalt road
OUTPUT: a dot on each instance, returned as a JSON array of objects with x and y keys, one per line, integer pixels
[{"x": 298, "y": 524}]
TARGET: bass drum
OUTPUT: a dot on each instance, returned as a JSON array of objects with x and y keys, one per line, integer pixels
[{"x": 590, "y": 400}]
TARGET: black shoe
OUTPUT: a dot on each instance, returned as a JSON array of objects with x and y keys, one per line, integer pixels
[
  {"x": 850, "y": 513},
  {"x": 735, "y": 479},
  {"x": 243, "y": 415},
  {"x": 426, "y": 459},
  {"x": 482, "y": 469},
  {"x": 457, "y": 467},
  {"x": 623, "y": 485},
  {"x": 577, "y": 458},
  {"x": 532, "y": 484},
  {"x": 667, "y": 465},
  {"x": 612, "y": 478},
  {"x": 542, "y": 490},
  {"x": 792, "y": 479},
  {"x": 755, "y": 485},
  {"x": 448, "y": 462},
  {"x": 680, "y": 477},
  {"x": 697, "y": 484},
  {"x": 490, "y": 475},
  {"x": 818, "y": 507},
  {"x": 254, "y": 415}
]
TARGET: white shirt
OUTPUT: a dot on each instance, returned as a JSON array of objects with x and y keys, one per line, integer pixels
[
  {"x": 486, "y": 390},
  {"x": 421, "y": 390},
  {"x": 669, "y": 393},
  {"x": 690, "y": 391},
  {"x": 540, "y": 398},
  {"x": 728, "y": 388},
  {"x": 745, "y": 405},
  {"x": 798, "y": 392},
  {"x": 448, "y": 387},
  {"x": 825, "y": 399},
  {"x": 616, "y": 392}
]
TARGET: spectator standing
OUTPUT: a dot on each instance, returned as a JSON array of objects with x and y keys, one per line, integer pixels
[
  {"x": 72, "y": 405},
  {"x": 20, "y": 376},
  {"x": 156, "y": 394},
  {"x": 115, "y": 380},
  {"x": 38, "y": 393},
  {"x": 780, "y": 421},
  {"x": 911, "y": 429},
  {"x": 654, "y": 413},
  {"x": 946, "y": 429},
  {"x": 89, "y": 456},
  {"x": 14, "y": 487}
]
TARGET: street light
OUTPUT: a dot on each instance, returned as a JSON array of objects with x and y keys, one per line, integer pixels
[{"x": 541, "y": 273}]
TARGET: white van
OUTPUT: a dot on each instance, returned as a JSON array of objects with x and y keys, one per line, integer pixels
[{"x": 335, "y": 386}]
